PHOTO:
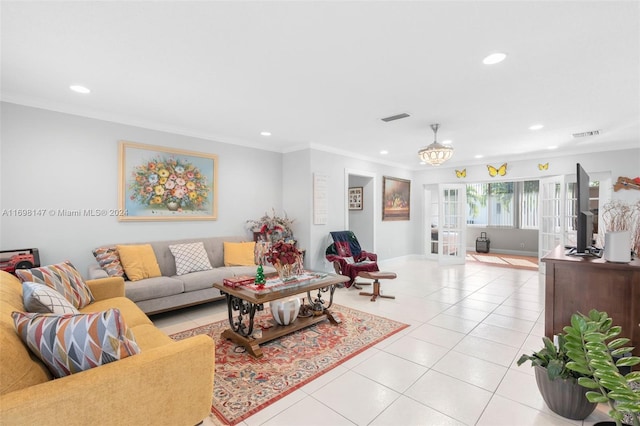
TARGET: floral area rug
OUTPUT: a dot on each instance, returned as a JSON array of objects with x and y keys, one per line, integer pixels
[{"x": 245, "y": 385}]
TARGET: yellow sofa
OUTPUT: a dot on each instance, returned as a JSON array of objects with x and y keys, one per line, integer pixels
[{"x": 167, "y": 383}]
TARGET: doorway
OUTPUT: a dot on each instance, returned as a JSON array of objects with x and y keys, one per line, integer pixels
[{"x": 360, "y": 217}]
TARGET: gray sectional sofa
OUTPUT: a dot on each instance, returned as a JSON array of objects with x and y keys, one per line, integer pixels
[{"x": 171, "y": 291}]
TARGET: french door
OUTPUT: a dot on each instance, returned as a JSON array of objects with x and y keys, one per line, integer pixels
[
  {"x": 551, "y": 213},
  {"x": 452, "y": 229}
]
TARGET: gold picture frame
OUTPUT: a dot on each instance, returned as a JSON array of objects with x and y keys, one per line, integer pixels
[
  {"x": 165, "y": 184},
  {"x": 396, "y": 196},
  {"x": 355, "y": 198}
]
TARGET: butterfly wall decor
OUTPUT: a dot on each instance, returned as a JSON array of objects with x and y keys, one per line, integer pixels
[
  {"x": 544, "y": 166},
  {"x": 461, "y": 173},
  {"x": 500, "y": 171}
]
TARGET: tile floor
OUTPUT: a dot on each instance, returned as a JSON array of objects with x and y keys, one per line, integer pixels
[{"x": 455, "y": 364}]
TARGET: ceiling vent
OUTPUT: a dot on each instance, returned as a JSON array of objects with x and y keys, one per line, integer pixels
[
  {"x": 395, "y": 117},
  {"x": 585, "y": 134}
]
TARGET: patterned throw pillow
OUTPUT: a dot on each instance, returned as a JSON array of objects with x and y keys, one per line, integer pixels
[
  {"x": 63, "y": 278},
  {"x": 190, "y": 258},
  {"x": 71, "y": 343},
  {"x": 43, "y": 299},
  {"x": 109, "y": 260}
]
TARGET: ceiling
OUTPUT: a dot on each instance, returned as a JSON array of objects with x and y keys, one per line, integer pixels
[{"x": 323, "y": 74}]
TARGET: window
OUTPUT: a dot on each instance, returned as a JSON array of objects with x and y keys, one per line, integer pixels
[{"x": 503, "y": 204}]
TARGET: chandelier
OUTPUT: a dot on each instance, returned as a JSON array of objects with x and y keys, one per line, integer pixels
[{"x": 435, "y": 154}]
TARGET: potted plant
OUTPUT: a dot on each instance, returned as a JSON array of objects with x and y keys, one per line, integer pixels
[
  {"x": 558, "y": 385},
  {"x": 592, "y": 342}
]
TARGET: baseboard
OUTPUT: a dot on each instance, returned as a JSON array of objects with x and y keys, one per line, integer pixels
[{"x": 472, "y": 250}]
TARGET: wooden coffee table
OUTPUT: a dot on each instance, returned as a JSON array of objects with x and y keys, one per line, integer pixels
[{"x": 243, "y": 303}]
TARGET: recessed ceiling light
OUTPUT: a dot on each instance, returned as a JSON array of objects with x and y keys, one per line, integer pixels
[
  {"x": 536, "y": 127},
  {"x": 265, "y": 133},
  {"x": 447, "y": 142},
  {"x": 80, "y": 89},
  {"x": 422, "y": 163},
  {"x": 494, "y": 58},
  {"x": 552, "y": 147},
  {"x": 384, "y": 152},
  {"x": 478, "y": 156}
]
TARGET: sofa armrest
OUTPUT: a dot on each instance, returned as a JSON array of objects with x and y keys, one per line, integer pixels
[
  {"x": 95, "y": 272},
  {"x": 168, "y": 385},
  {"x": 106, "y": 288}
]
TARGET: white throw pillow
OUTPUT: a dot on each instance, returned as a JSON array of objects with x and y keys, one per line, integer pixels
[
  {"x": 40, "y": 298},
  {"x": 190, "y": 258}
]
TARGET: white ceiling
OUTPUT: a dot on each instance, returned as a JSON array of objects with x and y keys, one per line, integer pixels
[{"x": 323, "y": 74}]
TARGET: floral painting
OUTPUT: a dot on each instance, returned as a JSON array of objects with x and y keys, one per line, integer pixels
[{"x": 158, "y": 183}]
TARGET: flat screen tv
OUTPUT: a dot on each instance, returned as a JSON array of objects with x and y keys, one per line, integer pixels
[{"x": 584, "y": 217}]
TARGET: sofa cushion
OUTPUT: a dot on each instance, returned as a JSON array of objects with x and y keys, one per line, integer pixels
[
  {"x": 71, "y": 343},
  {"x": 131, "y": 313},
  {"x": 190, "y": 258},
  {"x": 109, "y": 260},
  {"x": 40, "y": 298},
  {"x": 62, "y": 277},
  {"x": 153, "y": 288},
  {"x": 19, "y": 368},
  {"x": 239, "y": 254},
  {"x": 139, "y": 261},
  {"x": 204, "y": 279}
]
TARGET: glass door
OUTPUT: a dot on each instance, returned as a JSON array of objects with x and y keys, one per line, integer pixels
[
  {"x": 551, "y": 215},
  {"x": 452, "y": 245}
]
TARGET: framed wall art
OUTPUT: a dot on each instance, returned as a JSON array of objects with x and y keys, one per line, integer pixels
[
  {"x": 396, "y": 194},
  {"x": 158, "y": 183},
  {"x": 355, "y": 198}
]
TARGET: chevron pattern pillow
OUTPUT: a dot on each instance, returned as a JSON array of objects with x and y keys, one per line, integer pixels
[
  {"x": 109, "y": 260},
  {"x": 40, "y": 298},
  {"x": 190, "y": 258},
  {"x": 63, "y": 278},
  {"x": 71, "y": 343}
]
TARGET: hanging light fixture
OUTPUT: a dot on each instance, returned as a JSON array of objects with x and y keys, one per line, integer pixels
[{"x": 435, "y": 154}]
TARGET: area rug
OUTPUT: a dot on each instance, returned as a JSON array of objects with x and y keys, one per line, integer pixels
[
  {"x": 245, "y": 385},
  {"x": 505, "y": 260}
]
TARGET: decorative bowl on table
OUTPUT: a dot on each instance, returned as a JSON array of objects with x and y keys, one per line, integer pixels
[{"x": 285, "y": 311}]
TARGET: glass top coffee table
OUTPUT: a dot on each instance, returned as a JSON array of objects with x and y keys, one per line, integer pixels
[{"x": 244, "y": 301}]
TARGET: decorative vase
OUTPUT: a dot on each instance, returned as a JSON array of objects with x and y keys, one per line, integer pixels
[
  {"x": 285, "y": 311},
  {"x": 286, "y": 271},
  {"x": 564, "y": 396},
  {"x": 173, "y": 206}
]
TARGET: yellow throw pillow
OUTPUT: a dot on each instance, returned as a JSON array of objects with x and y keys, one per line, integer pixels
[
  {"x": 239, "y": 254},
  {"x": 139, "y": 261}
]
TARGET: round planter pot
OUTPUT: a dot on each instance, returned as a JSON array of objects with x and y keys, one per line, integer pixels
[
  {"x": 285, "y": 311},
  {"x": 564, "y": 396}
]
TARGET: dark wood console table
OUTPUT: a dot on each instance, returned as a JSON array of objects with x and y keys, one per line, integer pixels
[{"x": 579, "y": 284}]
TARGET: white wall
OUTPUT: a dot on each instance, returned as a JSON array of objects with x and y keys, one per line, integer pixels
[
  {"x": 51, "y": 160},
  {"x": 361, "y": 221}
]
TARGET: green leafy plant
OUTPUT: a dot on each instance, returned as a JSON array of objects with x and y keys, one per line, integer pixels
[
  {"x": 553, "y": 359},
  {"x": 591, "y": 343}
]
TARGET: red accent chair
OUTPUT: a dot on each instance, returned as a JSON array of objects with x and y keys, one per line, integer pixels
[{"x": 348, "y": 258}]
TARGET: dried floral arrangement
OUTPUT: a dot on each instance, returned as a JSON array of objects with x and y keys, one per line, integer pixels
[
  {"x": 619, "y": 215},
  {"x": 270, "y": 224}
]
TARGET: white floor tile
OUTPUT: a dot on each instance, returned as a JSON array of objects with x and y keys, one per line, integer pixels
[
  {"x": 437, "y": 335},
  {"x": 454, "y": 323},
  {"x": 450, "y": 396},
  {"x": 487, "y": 350},
  {"x": 342, "y": 393},
  {"x": 308, "y": 412},
  {"x": 407, "y": 412},
  {"x": 391, "y": 371},
  {"x": 475, "y": 371},
  {"x": 417, "y": 351},
  {"x": 499, "y": 334},
  {"x": 504, "y": 412}
]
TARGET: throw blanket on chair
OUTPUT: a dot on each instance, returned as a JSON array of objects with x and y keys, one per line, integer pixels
[{"x": 351, "y": 259}]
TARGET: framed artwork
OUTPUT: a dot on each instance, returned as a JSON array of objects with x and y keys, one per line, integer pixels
[
  {"x": 396, "y": 194},
  {"x": 355, "y": 198},
  {"x": 158, "y": 183}
]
